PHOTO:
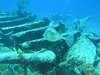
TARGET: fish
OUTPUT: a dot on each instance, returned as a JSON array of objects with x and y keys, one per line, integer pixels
[
  {"x": 70, "y": 40},
  {"x": 52, "y": 35}
]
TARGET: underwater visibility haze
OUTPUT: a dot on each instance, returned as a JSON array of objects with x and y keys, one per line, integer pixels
[{"x": 49, "y": 37}]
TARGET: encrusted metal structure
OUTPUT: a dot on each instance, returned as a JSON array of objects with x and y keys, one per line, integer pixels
[
  {"x": 35, "y": 51},
  {"x": 27, "y": 32}
]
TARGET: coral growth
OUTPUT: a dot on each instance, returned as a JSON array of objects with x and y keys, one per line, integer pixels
[
  {"x": 75, "y": 66},
  {"x": 21, "y": 4},
  {"x": 44, "y": 48}
]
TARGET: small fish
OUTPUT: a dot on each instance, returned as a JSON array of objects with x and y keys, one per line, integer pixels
[
  {"x": 20, "y": 51},
  {"x": 52, "y": 35},
  {"x": 28, "y": 25},
  {"x": 5, "y": 49}
]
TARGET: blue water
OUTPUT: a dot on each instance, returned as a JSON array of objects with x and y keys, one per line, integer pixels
[{"x": 77, "y": 9}]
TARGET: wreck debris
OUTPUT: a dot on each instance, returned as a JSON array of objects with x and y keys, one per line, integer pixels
[
  {"x": 80, "y": 24},
  {"x": 81, "y": 47},
  {"x": 28, "y": 34},
  {"x": 94, "y": 37},
  {"x": 74, "y": 64},
  {"x": 42, "y": 56}
]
